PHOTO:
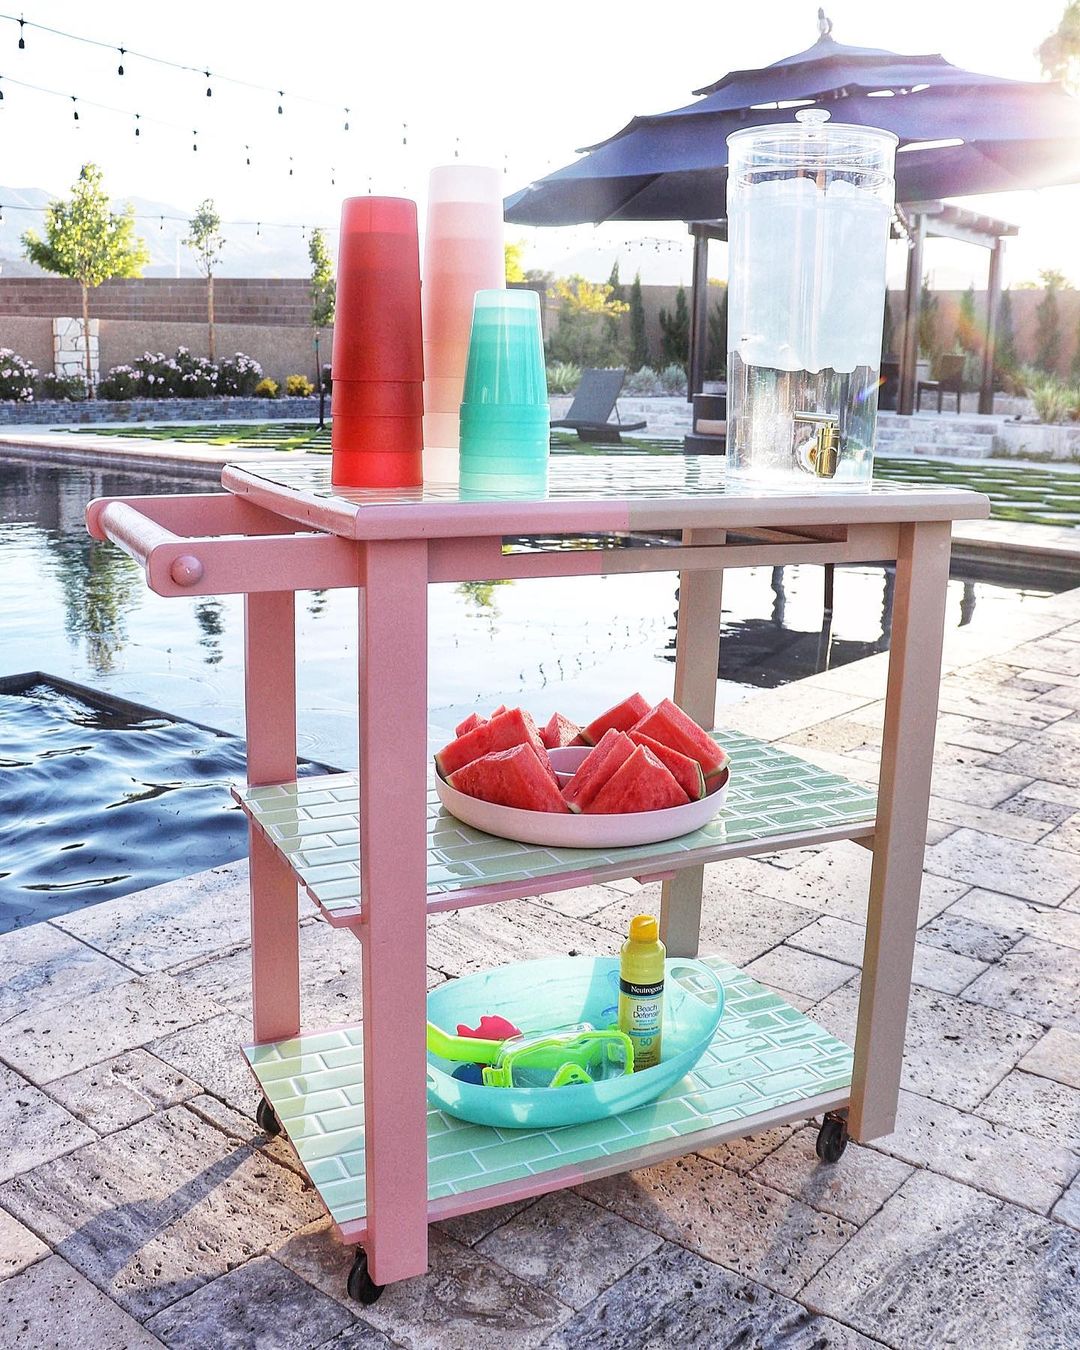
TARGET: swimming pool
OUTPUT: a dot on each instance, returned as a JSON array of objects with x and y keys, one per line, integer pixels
[{"x": 81, "y": 610}]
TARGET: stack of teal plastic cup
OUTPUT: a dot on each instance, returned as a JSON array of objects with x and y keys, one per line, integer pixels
[{"x": 505, "y": 422}]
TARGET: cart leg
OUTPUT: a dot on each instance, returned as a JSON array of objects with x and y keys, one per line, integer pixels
[
  {"x": 270, "y": 714},
  {"x": 697, "y": 655},
  {"x": 907, "y": 755},
  {"x": 393, "y": 861}
]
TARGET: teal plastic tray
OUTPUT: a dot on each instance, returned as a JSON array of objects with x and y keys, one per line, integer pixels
[{"x": 539, "y": 995}]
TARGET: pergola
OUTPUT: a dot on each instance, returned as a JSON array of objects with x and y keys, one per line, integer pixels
[{"x": 915, "y": 221}]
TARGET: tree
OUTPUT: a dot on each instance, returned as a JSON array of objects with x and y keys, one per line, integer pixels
[
  {"x": 323, "y": 300},
  {"x": 88, "y": 243},
  {"x": 512, "y": 256},
  {"x": 716, "y": 364},
  {"x": 968, "y": 337},
  {"x": 1005, "y": 358},
  {"x": 928, "y": 320},
  {"x": 614, "y": 319},
  {"x": 676, "y": 330},
  {"x": 1048, "y": 321},
  {"x": 206, "y": 242},
  {"x": 638, "y": 355},
  {"x": 1059, "y": 54},
  {"x": 581, "y": 336}
]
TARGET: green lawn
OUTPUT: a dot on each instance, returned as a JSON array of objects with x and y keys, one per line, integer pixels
[{"x": 1034, "y": 494}]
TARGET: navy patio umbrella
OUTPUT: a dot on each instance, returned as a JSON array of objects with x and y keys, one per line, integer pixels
[{"x": 961, "y": 133}]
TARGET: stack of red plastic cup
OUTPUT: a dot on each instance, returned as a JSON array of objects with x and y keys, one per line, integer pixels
[{"x": 377, "y": 434}]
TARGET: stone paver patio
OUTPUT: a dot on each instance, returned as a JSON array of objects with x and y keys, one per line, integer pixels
[{"x": 140, "y": 1205}]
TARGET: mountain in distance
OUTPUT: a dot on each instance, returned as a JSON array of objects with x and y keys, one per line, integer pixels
[{"x": 272, "y": 252}]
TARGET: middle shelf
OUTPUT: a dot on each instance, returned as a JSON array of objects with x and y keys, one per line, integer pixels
[{"x": 775, "y": 801}]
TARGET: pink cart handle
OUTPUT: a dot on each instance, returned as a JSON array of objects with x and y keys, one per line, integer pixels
[{"x": 138, "y": 535}]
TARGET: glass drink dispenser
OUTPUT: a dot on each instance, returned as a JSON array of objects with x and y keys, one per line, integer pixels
[{"x": 809, "y": 207}]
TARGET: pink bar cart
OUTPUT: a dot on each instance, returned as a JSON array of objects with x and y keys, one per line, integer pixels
[{"x": 352, "y": 1099}]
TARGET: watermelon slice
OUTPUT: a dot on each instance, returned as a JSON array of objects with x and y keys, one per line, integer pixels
[
  {"x": 560, "y": 731},
  {"x": 471, "y": 722},
  {"x": 508, "y": 729},
  {"x": 498, "y": 711},
  {"x": 596, "y": 768},
  {"x": 687, "y": 772},
  {"x": 641, "y": 783},
  {"x": 669, "y": 725},
  {"x": 620, "y": 718},
  {"x": 514, "y": 777}
]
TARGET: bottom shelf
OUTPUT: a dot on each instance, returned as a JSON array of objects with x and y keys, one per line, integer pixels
[{"x": 768, "y": 1063}]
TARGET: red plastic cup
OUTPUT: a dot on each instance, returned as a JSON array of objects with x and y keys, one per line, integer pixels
[{"x": 378, "y": 361}]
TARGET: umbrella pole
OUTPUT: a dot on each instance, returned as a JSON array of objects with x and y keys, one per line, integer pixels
[{"x": 993, "y": 301}]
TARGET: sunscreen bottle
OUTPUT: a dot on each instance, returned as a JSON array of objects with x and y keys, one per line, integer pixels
[{"x": 641, "y": 990}]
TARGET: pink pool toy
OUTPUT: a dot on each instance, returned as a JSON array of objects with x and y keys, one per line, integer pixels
[{"x": 492, "y": 1028}]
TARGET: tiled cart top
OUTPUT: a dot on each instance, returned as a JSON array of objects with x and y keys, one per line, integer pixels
[
  {"x": 765, "y": 1055},
  {"x": 585, "y": 492},
  {"x": 773, "y": 796}
]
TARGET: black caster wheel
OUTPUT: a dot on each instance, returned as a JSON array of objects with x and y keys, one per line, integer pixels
[
  {"x": 360, "y": 1285},
  {"x": 267, "y": 1119},
  {"x": 832, "y": 1138}
]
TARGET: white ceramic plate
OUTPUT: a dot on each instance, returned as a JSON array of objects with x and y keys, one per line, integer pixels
[{"x": 555, "y": 830}]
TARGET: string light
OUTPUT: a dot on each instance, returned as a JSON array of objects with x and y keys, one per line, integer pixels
[
  {"x": 247, "y": 153},
  {"x": 75, "y": 110},
  {"x": 209, "y": 91},
  {"x": 137, "y": 132},
  {"x": 281, "y": 110},
  {"x": 404, "y": 133},
  {"x": 195, "y": 141},
  {"x": 346, "y": 119},
  {"x": 120, "y": 67},
  {"x": 184, "y": 220},
  {"x": 22, "y": 39}
]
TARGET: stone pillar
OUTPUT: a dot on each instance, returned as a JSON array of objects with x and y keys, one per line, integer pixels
[{"x": 69, "y": 348}]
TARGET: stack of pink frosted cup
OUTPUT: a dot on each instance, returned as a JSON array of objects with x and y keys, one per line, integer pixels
[{"x": 463, "y": 254}]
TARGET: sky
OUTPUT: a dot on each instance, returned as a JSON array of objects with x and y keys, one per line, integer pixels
[{"x": 519, "y": 86}]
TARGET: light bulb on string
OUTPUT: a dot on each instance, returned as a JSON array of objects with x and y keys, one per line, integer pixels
[
  {"x": 281, "y": 110},
  {"x": 333, "y": 178},
  {"x": 120, "y": 67},
  {"x": 247, "y": 153},
  {"x": 258, "y": 228},
  {"x": 346, "y": 119},
  {"x": 209, "y": 91},
  {"x": 1, "y": 213},
  {"x": 404, "y": 133},
  {"x": 290, "y": 166},
  {"x": 22, "y": 39},
  {"x": 137, "y": 132},
  {"x": 457, "y": 147},
  {"x": 195, "y": 141},
  {"x": 74, "y": 109},
  {"x": 161, "y": 224}
]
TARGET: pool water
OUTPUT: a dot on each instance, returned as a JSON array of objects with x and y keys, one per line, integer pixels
[{"x": 81, "y": 610}]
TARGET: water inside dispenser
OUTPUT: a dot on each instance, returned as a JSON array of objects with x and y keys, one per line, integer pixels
[{"x": 809, "y": 206}]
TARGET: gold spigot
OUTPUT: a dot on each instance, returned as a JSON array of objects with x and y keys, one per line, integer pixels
[{"x": 821, "y": 456}]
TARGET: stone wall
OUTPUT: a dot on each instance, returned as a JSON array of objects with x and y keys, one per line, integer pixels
[
  {"x": 159, "y": 410},
  {"x": 70, "y": 341}
]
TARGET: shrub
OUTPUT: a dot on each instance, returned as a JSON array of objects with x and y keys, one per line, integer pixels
[
  {"x": 298, "y": 386},
  {"x": 69, "y": 387},
  {"x": 16, "y": 377},
  {"x": 266, "y": 388},
  {"x": 198, "y": 375},
  {"x": 673, "y": 379},
  {"x": 645, "y": 383},
  {"x": 563, "y": 377},
  {"x": 238, "y": 375},
  {"x": 1052, "y": 401},
  {"x": 157, "y": 375},
  {"x": 120, "y": 384}
]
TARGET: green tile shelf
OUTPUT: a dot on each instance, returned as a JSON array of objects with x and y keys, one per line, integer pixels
[
  {"x": 765, "y": 1064},
  {"x": 775, "y": 800}
]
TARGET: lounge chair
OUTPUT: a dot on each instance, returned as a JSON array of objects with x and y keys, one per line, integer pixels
[
  {"x": 595, "y": 398},
  {"x": 950, "y": 380}
]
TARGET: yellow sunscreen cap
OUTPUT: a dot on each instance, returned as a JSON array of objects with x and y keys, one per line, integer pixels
[{"x": 644, "y": 928}]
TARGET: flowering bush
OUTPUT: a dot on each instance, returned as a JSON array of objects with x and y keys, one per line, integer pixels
[
  {"x": 16, "y": 377},
  {"x": 266, "y": 389},
  {"x": 198, "y": 376},
  {"x": 298, "y": 386},
  {"x": 157, "y": 375},
  {"x": 121, "y": 383},
  {"x": 69, "y": 387},
  {"x": 238, "y": 374}
]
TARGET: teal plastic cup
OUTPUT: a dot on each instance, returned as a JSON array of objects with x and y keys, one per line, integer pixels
[{"x": 506, "y": 351}]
